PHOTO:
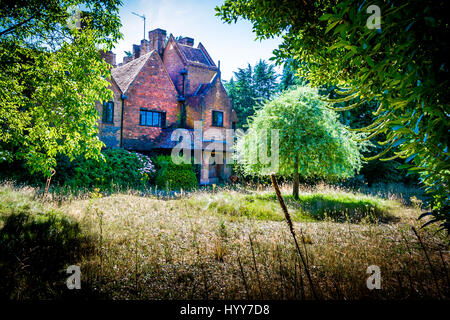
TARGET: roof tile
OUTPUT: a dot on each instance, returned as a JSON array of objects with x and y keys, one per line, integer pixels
[
  {"x": 194, "y": 54},
  {"x": 126, "y": 74}
]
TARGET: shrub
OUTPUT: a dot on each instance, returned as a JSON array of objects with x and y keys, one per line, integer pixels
[
  {"x": 174, "y": 176},
  {"x": 177, "y": 179},
  {"x": 118, "y": 168}
]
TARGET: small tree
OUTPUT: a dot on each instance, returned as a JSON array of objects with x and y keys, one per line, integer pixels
[{"x": 312, "y": 142}]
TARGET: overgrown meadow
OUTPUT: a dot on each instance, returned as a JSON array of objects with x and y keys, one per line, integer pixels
[
  {"x": 220, "y": 243},
  {"x": 348, "y": 101}
]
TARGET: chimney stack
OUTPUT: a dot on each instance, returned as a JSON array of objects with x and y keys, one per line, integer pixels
[
  {"x": 145, "y": 47},
  {"x": 136, "y": 51},
  {"x": 187, "y": 41},
  {"x": 109, "y": 57},
  {"x": 157, "y": 39}
]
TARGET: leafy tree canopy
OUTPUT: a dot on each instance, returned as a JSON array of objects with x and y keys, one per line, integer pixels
[
  {"x": 250, "y": 87},
  {"x": 403, "y": 65},
  {"x": 51, "y": 75},
  {"x": 312, "y": 140},
  {"x": 289, "y": 78}
]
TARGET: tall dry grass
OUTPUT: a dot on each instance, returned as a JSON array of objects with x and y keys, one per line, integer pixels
[{"x": 155, "y": 246}]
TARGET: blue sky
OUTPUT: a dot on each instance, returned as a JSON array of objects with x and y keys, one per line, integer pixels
[{"x": 233, "y": 44}]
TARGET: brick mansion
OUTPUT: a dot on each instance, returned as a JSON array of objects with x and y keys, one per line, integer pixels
[{"x": 166, "y": 84}]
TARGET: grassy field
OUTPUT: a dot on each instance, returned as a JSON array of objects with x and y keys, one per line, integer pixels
[{"x": 220, "y": 244}]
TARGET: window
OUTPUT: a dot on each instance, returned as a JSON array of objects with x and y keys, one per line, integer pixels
[
  {"x": 152, "y": 118},
  {"x": 108, "y": 112},
  {"x": 217, "y": 118}
]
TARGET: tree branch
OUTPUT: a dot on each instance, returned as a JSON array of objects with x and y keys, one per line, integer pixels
[{"x": 16, "y": 26}]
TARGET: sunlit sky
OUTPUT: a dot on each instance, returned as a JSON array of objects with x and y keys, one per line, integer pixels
[{"x": 233, "y": 44}]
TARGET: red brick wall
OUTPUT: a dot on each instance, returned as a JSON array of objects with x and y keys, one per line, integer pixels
[
  {"x": 201, "y": 107},
  {"x": 217, "y": 99},
  {"x": 197, "y": 76},
  {"x": 110, "y": 132},
  {"x": 193, "y": 110},
  {"x": 153, "y": 90},
  {"x": 174, "y": 64}
]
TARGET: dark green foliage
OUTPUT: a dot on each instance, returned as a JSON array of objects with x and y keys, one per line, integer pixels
[
  {"x": 35, "y": 249},
  {"x": 119, "y": 169},
  {"x": 264, "y": 81},
  {"x": 177, "y": 179},
  {"x": 174, "y": 176},
  {"x": 289, "y": 77},
  {"x": 376, "y": 170},
  {"x": 238, "y": 170},
  {"x": 249, "y": 87},
  {"x": 242, "y": 95},
  {"x": 115, "y": 169},
  {"x": 17, "y": 171},
  {"x": 403, "y": 65}
]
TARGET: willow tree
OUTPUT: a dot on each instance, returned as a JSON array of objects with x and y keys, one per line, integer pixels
[
  {"x": 394, "y": 52},
  {"x": 312, "y": 141}
]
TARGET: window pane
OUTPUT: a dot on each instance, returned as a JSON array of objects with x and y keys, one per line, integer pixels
[
  {"x": 156, "y": 118},
  {"x": 217, "y": 118},
  {"x": 104, "y": 112},
  {"x": 142, "y": 120},
  {"x": 149, "y": 118},
  {"x": 163, "y": 120},
  {"x": 110, "y": 111}
]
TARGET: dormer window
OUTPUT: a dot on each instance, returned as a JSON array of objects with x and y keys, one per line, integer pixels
[
  {"x": 217, "y": 118},
  {"x": 108, "y": 112}
]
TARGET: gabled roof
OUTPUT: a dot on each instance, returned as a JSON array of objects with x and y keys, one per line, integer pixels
[
  {"x": 125, "y": 75},
  {"x": 203, "y": 49},
  {"x": 194, "y": 55},
  {"x": 203, "y": 88}
]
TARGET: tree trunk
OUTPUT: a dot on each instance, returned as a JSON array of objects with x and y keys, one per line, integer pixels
[{"x": 296, "y": 179}]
